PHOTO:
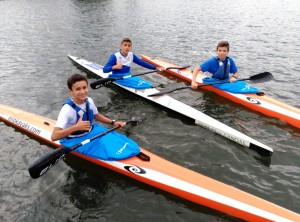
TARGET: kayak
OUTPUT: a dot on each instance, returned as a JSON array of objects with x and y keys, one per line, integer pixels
[
  {"x": 164, "y": 175},
  {"x": 256, "y": 101},
  {"x": 172, "y": 104}
]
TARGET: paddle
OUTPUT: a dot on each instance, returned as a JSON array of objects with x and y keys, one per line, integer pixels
[
  {"x": 45, "y": 162},
  {"x": 105, "y": 81},
  {"x": 258, "y": 78}
]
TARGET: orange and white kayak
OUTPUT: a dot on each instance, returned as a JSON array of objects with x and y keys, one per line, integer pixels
[
  {"x": 255, "y": 101},
  {"x": 164, "y": 175}
]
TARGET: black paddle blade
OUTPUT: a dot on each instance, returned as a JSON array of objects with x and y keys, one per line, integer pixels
[
  {"x": 45, "y": 162},
  {"x": 102, "y": 82},
  {"x": 162, "y": 92},
  {"x": 137, "y": 119},
  {"x": 182, "y": 67},
  {"x": 260, "y": 150},
  {"x": 166, "y": 91},
  {"x": 262, "y": 77}
]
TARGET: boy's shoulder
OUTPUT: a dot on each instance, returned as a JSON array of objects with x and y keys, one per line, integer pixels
[{"x": 212, "y": 60}]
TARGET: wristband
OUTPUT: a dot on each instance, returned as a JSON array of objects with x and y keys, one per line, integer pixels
[{"x": 112, "y": 122}]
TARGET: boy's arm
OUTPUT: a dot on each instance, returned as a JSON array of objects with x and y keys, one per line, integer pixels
[
  {"x": 106, "y": 120},
  {"x": 112, "y": 61},
  {"x": 234, "y": 70},
  {"x": 234, "y": 77},
  {"x": 102, "y": 118},
  {"x": 141, "y": 62},
  {"x": 59, "y": 133},
  {"x": 194, "y": 76}
]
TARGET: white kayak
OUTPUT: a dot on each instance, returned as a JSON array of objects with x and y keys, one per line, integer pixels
[{"x": 200, "y": 118}]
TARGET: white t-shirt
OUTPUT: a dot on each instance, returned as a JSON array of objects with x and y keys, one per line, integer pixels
[{"x": 68, "y": 117}]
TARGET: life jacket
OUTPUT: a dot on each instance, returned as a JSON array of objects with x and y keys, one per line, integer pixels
[
  {"x": 88, "y": 115},
  {"x": 224, "y": 69},
  {"x": 126, "y": 62}
]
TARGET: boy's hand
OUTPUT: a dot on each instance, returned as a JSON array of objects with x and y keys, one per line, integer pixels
[
  {"x": 232, "y": 79},
  {"x": 119, "y": 123},
  {"x": 83, "y": 125},
  {"x": 194, "y": 85},
  {"x": 118, "y": 66},
  {"x": 160, "y": 69}
]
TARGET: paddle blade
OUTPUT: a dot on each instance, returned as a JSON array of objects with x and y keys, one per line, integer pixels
[
  {"x": 182, "y": 67},
  {"x": 102, "y": 82},
  {"x": 262, "y": 77},
  {"x": 138, "y": 119},
  {"x": 166, "y": 91},
  {"x": 260, "y": 150},
  {"x": 45, "y": 162}
]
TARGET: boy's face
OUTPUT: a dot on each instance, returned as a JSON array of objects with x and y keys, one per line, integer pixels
[
  {"x": 125, "y": 48},
  {"x": 79, "y": 91},
  {"x": 222, "y": 52}
]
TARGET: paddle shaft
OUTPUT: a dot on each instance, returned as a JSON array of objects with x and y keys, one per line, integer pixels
[
  {"x": 261, "y": 77},
  {"x": 93, "y": 138},
  {"x": 45, "y": 162},
  {"x": 102, "y": 82}
]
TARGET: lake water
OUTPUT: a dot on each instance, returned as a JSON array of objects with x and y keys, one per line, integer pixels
[{"x": 36, "y": 37}]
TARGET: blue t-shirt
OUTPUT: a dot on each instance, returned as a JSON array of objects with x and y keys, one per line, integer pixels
[{"x": 212, "y": 65}]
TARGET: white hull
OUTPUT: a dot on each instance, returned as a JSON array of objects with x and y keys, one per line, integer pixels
[{"x": 200, "y": 118}]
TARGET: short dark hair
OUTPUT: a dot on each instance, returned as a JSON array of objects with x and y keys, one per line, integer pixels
[
  {"x": 126, "y": 40},
  {"x": 75, "y": 78},
  {"x": 223, "y": 44}
]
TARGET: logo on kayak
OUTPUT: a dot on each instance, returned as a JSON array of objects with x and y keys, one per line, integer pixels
[
  {"x": 94, "y": 66},
  {"x": 135, "y": 169},
  {"x": 43, "y": 171},
  {"x": 253, "y": 101},
  {"x": 121, "y": 150},
  {"x": 24, "y": 125}
]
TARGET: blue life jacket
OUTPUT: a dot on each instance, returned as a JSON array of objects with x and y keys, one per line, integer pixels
[
  {"x": 224, "y": 69},
  {"x": 88, "y": 115}
]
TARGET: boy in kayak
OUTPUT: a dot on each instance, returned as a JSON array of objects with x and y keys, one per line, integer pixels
[
  {"x": 120, "y": 63},
  {"x": 220, "y": 66},
  {"x": 74, "y": 125},
  {"x": 76, "y": 116}
]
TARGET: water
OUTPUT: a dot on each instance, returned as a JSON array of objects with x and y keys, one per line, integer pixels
[{"x": 36, "y": 37}]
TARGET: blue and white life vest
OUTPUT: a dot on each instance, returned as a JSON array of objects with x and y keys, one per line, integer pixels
[
  {"x": 126, "y": 62},
  {"x": 224, "y": 69},
  {"x": 88, "y": 115}
]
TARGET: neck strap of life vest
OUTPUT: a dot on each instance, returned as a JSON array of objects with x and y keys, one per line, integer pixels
[
  {"x": 223, "y": 71},
  {"x": 87, "y": 115}
]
